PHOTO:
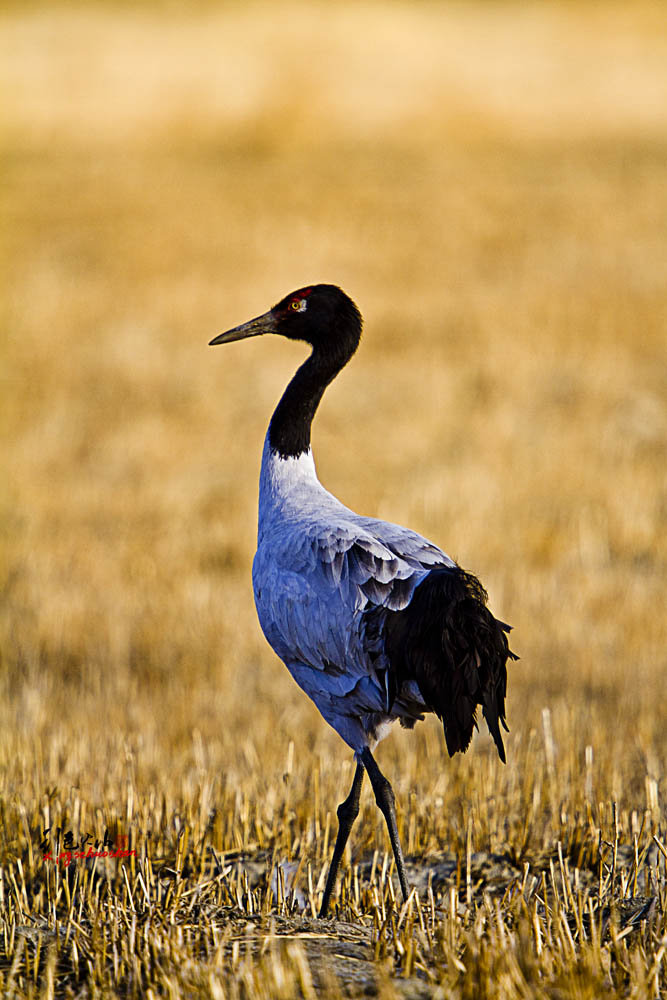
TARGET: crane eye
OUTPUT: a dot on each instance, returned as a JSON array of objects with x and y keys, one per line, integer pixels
[{"x": 298, "y": 305}]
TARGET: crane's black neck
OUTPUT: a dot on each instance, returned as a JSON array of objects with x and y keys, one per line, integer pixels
[{"x": 289, "y": 430}]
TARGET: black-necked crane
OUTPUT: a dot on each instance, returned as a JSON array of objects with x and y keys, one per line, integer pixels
[{"x": 374, "y": 622}]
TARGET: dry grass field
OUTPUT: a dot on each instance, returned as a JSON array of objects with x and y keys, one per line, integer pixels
[{"x": 489, "y": 182}]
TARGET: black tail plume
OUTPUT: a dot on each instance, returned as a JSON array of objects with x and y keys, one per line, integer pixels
[{"x": 449, "y": 642}]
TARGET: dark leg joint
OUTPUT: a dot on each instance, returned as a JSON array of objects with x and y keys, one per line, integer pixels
[
  {"x": 384, "y": 796},
  {"x": 348, "y": 810}
]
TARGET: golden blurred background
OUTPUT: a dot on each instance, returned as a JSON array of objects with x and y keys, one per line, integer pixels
[{"x": 488, "y": 182}]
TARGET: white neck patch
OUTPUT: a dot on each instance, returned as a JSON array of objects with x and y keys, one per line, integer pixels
[{"x": 287, "y": 476}]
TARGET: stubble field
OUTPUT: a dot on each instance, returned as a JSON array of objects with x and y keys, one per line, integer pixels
[{"x": 488, "y": 182}]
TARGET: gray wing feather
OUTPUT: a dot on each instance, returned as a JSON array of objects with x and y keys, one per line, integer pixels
[{"x": 316, "y": 584}]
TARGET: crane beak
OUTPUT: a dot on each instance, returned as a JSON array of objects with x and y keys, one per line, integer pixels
[{"x": 253, "y": 328}]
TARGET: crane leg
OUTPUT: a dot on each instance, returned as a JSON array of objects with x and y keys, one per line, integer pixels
[
  {"x": 386, "y": 800},
  {"x": 347, "y": 813}
]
